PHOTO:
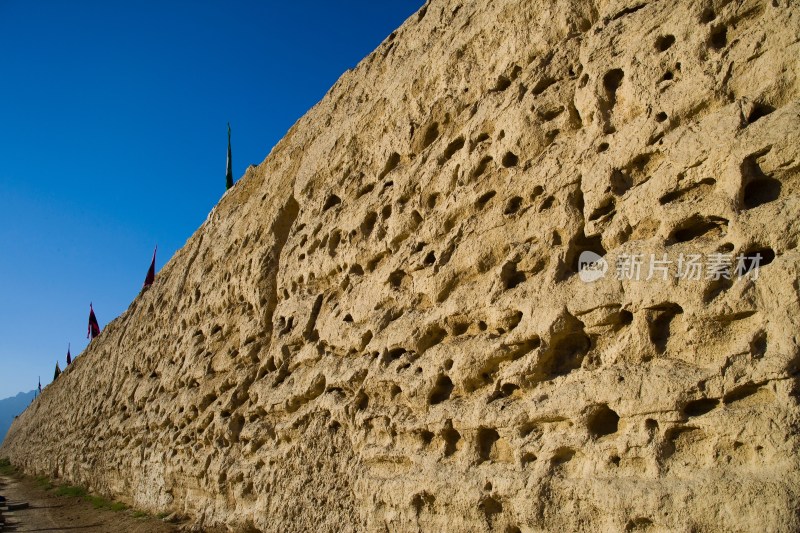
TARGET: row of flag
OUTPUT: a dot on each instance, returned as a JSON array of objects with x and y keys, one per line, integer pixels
[{"x": 93, "y": 329}]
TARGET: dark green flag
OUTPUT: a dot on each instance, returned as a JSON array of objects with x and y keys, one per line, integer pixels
[
  {"x": 229, "y": 170},
  {"x": 58, "y": 372}
]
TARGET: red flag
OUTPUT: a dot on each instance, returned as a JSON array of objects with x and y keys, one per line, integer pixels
[
  {"x": 151, "y": 273},
  {"x": 94, "y": 327},
  {"x": 69, "y": 357}
]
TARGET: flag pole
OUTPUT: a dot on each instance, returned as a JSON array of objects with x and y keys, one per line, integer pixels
[{"x": 229, "y": 163}]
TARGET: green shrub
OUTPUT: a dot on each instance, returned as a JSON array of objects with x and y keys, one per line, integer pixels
[
  {"x": 6, "y": 468},
  {"x": 43, "y": 483},
  {"x": 69, "y": 490},
  {"x": 98, "y": 502},
  {"x": 72, "y": 491}
]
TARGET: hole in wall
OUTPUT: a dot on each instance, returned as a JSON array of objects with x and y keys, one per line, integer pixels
[
  {"x": 481, "y": 202},
  {"x": 486, "y": 439},
  {"x": 482, "y": 166},
  {"x": 700, "y": 407},
  {"x": 758, "y": 346},
  {"x": 659, "y": 324},
  {"x": 603, "y": 421},
  {"x": 441, "y": 391},
  {"x": 510, "y": 277},
  {"x": 451, "y": 149},
  {"x": 664, "y": 42},
  {"x": 755, "y": 258},
  {"x": 761, "y": 190},
  {"x": 510, "y": 160},
  {"x": 512, "y": 206},
  {"x": 759, "y": 110},
  {"x": 606, "y": 206},
  {"x": 451, "y": 438},
  {"x": 611, "y": 82},
  {"x": 431, "y": 134},
  {"x": 331, "y": 201},
  {"x": 542, "y": 85},
  {"x": 502, "y": 84},
  {"x": 707, "y": 15},
  {"x": 718, "y": 38},
  {"x": 696, "y": 227}
]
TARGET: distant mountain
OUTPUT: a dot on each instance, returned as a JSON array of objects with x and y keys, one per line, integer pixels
[{"x": 11, "y": 407}]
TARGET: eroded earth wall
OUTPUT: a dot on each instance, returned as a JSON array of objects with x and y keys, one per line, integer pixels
[{"x": 383, "y": 326}]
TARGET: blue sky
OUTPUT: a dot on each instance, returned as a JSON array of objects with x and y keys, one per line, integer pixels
[{"x": 113, "y": 139}]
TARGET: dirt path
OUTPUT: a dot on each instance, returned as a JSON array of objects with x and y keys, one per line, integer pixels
[{"x": 50, "y": 512}]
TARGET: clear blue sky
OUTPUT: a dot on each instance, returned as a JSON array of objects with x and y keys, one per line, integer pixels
[{"x": 113, "y": 139}]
